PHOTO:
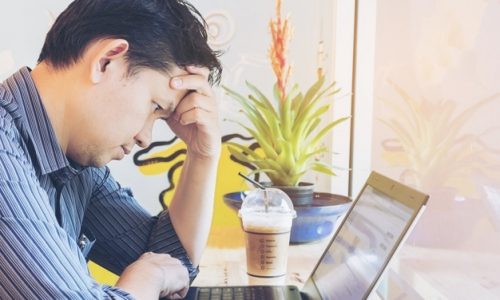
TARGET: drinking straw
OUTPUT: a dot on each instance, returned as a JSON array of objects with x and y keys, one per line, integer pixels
[{"x": 260, "y": 186}]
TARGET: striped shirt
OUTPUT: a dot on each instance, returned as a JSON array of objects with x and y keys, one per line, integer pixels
[{"x": 47, "y": 202}]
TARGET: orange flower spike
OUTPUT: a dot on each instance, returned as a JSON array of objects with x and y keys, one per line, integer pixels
[
  {"x": 277, "y": 52},
  {"x": 286, "y": 39},
  {"x": 278, "y": 11}
]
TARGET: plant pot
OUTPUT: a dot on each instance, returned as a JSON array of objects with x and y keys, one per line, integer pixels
[
  {"x": 301, "y": 194},
  {"x": 314, "y": 221}
]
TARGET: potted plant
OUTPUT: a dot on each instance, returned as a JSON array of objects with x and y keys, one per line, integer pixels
[{"x": 287, "y": 127}]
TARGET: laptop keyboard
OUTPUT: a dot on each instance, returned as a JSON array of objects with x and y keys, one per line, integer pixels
[{"x": 231, "y": 293}]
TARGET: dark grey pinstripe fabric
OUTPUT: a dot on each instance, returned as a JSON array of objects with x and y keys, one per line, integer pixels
[{"x": 40, "y": 258}]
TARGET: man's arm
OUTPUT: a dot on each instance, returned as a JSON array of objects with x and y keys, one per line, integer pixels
[
  {"x": 38, "y": 259},
  {"x": 196, "y": 122},
  {"x": 124, "y": 230},
  {"x": 191, "y": 208},
  {"x": 132, "y": 231},
  {"x": 144, "y": 250}
]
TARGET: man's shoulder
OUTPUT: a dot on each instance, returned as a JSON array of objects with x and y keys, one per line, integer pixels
[
  {"x": 7, "y": 126},
  {"x": 6, "y": 101},
  {"x": 12, "y": 152},
  {"x": 9, "y": 134}
]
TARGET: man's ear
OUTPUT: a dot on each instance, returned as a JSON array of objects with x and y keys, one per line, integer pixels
[{"x": 106, "y": 52}]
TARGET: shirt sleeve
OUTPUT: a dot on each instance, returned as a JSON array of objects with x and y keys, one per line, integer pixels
[
  {"x": 124, "y": 230},
  {"x": 38, "y": 259}
]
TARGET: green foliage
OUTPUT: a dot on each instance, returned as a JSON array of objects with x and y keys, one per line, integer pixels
[{"x": 287, "y": 131}]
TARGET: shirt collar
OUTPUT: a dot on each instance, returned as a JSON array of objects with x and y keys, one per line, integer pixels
[{"x": 47, "y": 152}]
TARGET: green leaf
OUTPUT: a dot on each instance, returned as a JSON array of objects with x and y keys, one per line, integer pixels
[
  {"x": 301, "y": 126},
  {"x": 261, "y": 97},
  {"x": 294, "y": 179},
  {"x": 240, "y": 156},
  {"x": 320, "y": 96},
  {"x": 306, "y": 156},
  {"x": 272, "y": 122},
  {"x": 323, "y": 109},
  {"x": 251, "y": 113},
  {"x": 270, "y": 114},
  {"x": 233, "y": 94},
  {"x": 323, "y": 168},
  {"x": 313, "y": 90},
  {"x": 306, "y": 105},
  {"x": 297, "y": 100},
  {"x": 244, "y": 149},
  {"x": 266, "y": 147},
  {"x": 267, "y": 171},
  {"x": 238, "y": 97},
  {"x": 286, "y": 158},
  {"x": 286, "y": 118},
  {"x": 313, "y": 126},
  {"x": 325, "y": 130}
]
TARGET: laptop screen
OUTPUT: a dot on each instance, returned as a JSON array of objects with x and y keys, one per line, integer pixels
[{"x": 366, "y": 240}]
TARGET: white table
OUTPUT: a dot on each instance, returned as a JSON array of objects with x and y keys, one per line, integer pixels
[{"x": 226, "y": 267}]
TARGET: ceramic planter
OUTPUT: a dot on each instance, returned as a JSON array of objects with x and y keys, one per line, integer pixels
[{"x": 301, "y": 194}]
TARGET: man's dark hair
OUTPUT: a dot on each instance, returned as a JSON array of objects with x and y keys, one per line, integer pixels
[{"x": 161, "y": 34}]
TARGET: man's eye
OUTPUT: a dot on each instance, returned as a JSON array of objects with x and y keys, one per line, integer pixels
[{"x": 158, "y": 107}]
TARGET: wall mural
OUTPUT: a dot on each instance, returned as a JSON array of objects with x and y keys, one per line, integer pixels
[
  {"x": 220, "y": 29},
  {"x": 171, "y": 162}
]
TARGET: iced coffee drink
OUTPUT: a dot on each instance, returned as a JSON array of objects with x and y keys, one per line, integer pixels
[{"x": 267, "y": 219}]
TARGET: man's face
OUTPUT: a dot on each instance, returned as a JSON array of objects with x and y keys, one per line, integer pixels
[{"x": 119, "y": 112}]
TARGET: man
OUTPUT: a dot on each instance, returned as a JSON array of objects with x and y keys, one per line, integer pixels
[{"x": 107, "y": 71}]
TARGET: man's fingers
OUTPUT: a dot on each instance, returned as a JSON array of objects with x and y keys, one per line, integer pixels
[
  {"x": 176, "y": 295},
  {"x": 205, "y": 72},
  {"x": 194, "y": 101},
  {"x": 159, "y": 271},
  {"x": 191, "y": 82},
  {"x": 191, "y": 117},
  {"x": 196, "y": 109},
  {"x": 197, "y": 80}
]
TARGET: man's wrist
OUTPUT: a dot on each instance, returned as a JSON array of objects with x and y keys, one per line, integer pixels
[{"x": 211, "y": 157}]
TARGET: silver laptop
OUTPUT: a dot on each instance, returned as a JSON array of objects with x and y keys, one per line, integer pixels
[{"x": 369, "y": 235}]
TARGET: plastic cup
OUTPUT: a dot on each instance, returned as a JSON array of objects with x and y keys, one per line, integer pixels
[{"x": 267, "y": 219}]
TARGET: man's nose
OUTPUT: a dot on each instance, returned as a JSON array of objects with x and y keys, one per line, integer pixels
[{"x": 143, "y": 138}]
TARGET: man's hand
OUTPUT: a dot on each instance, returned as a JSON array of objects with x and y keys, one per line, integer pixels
[
  {"x": 195, "y": 119},
  {"x": 155, "y": 275}
]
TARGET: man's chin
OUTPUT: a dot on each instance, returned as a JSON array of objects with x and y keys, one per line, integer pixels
[
  {"x": 96, "y": 162},
  {"x": 103, "y": 161}
]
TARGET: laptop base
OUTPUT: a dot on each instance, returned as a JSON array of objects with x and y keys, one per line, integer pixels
[{"x": 244, "y": 293}]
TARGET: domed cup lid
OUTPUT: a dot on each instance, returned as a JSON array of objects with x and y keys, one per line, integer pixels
[{"x": 269, "y": 200}]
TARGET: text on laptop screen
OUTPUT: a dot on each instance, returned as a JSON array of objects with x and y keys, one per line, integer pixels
[{"x": 362, "y": 246}]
